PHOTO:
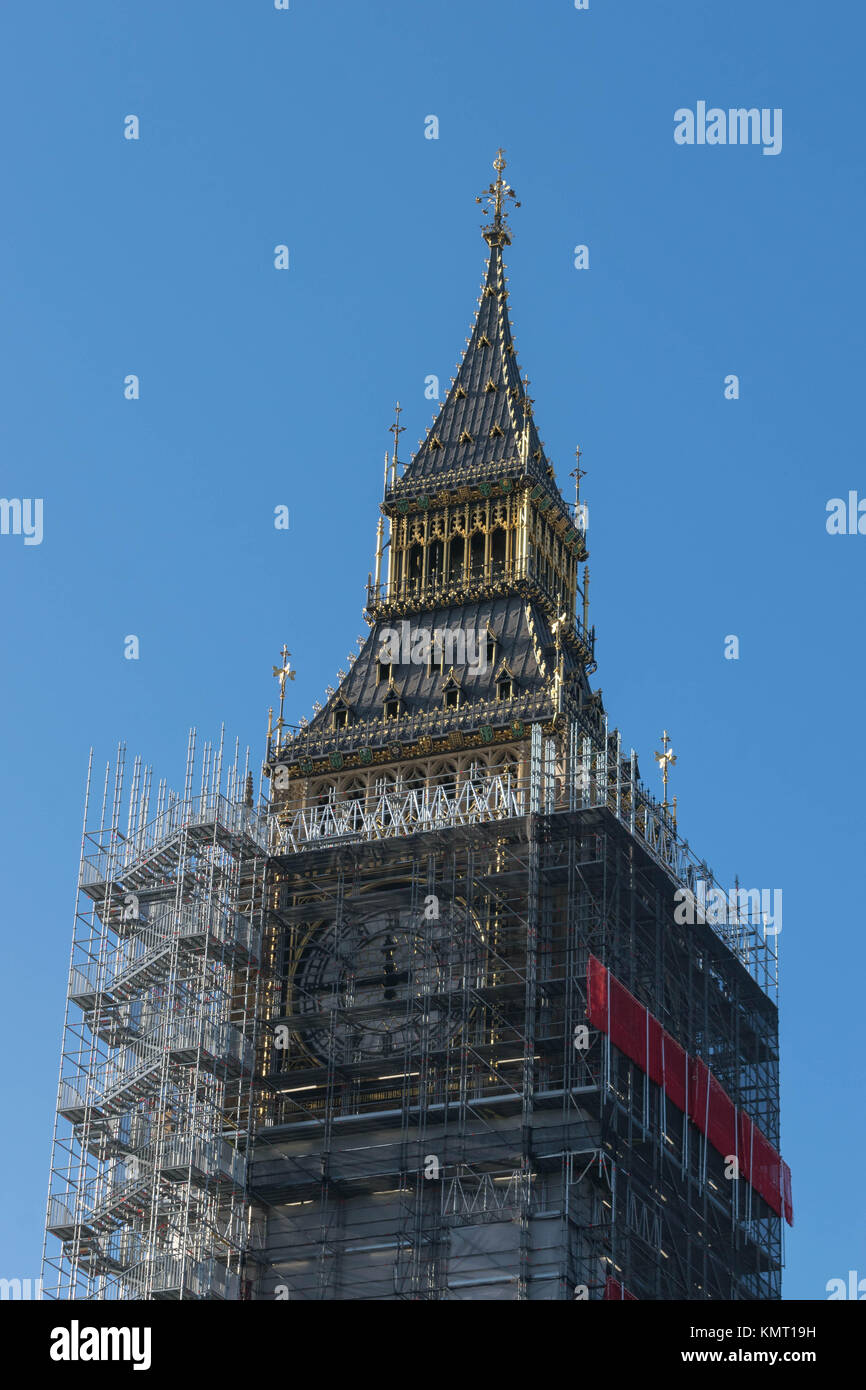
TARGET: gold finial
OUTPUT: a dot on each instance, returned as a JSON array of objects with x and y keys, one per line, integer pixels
[
  {"x": 396, "y": 429},
  {"x": 495, "y": 195},
  {"x": 285, "y": 673},
  {"x": 556, "y": 628},
  {"x": 666, "y": 760},
  {"x": 499, "y": 164}
]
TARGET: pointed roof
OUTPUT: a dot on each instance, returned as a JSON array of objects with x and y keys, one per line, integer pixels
[
  {"x": 484, "y": 428},
  {"x": 526, "y": 639}
]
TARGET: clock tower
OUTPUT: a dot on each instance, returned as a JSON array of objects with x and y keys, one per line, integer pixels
[
  {"x": 467, "y": 879},
  {"x": 453, "y": 1013}
]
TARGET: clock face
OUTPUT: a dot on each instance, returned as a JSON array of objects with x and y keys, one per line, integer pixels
[{"x": 377, "y": 985}]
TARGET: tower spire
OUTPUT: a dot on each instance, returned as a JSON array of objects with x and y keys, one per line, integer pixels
[{"x": 485, "y": 424}]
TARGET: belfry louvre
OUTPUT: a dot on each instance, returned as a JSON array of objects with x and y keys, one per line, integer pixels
[{"x": 424, "y": 1022}]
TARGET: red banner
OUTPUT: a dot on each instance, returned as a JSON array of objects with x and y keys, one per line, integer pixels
[
  {"x": 613, "y": 1289},
  {"x": 690, "y": 1084}
]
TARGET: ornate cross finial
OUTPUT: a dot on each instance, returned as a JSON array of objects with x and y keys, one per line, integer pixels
[
  {"x": 495, "y": 195},
  {"x": 500, "y": 185},
  {"x": 577, "y": 473},
  {"x": 284, "y": 673},
  {"x": 665, "y": 760},
  {"x": 396, "y": 429}
]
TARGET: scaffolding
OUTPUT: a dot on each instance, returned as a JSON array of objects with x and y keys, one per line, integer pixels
[
  {"x": 154, "y": 1110},
  {"x": 333, "y": 1049},
  {"x": 433, "y": 1124}
]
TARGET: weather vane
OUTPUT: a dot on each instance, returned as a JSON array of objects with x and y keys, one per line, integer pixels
[
  {"x": 666, "y": 761},
  {"x": 495, "y": 195}
]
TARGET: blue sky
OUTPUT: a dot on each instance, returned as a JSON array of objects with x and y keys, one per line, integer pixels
[{"x": 260, "y": 388}]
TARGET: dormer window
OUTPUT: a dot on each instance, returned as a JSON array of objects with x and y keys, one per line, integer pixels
[
  {"x": 392, "y": 707},
  {"x": 341, "y": 714},
  {"x": 383, "y": 672},
  {"x": 450, "y": 692},
  {"x": 506, "y": 686},
  {"x": 489, "y": 648}
]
